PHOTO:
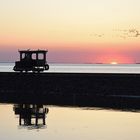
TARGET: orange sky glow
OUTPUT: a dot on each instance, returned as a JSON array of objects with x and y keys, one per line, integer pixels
[{"x": 76, "y": 31}]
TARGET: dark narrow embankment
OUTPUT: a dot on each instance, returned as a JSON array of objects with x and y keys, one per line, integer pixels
[{"x": 81, "y": 89}]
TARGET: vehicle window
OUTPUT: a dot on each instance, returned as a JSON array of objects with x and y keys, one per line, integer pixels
[
  {"x": 34, "y": 56},
  {"x": 40, "y": 56},
  {"x": 23, "y": 55}
]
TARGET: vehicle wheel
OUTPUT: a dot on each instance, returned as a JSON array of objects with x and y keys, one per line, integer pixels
[
  {"x": 38, "y": 71},
  {"x": 14, "y": 68},
  {"x": 46, "y": 67}
]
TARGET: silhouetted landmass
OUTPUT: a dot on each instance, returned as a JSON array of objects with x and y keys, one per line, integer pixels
[{"x": 71, "y": 89}]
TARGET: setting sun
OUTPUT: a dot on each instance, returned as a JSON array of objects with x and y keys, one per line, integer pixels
[{"x": 114, "y": 62}]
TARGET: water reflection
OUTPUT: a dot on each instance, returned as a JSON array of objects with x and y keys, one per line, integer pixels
[
  {"x": 32, "y": 116},
  {"x": 75, "y": 123}
]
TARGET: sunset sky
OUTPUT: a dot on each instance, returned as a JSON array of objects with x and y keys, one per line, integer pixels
[{"x": 73, "y": 31}]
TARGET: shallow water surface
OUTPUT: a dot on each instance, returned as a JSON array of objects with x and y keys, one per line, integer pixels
[
  {"x": 67, "y": 123},
  {"x": 83, "y": 68}
]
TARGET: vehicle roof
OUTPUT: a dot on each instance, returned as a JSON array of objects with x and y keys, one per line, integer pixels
[{"x": 33, "y": 51}]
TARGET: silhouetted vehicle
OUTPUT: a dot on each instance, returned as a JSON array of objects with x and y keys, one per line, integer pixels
[{"x": 31, "y": 61}]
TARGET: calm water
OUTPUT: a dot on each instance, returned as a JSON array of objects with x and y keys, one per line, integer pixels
[
  {"x": 85, "y": 68},
  {"x": 66, "y": 123}
]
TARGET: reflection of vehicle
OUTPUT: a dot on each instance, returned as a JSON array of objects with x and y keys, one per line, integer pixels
[
  {"x": 31, "y": 61},
  {"x": 30, "y": 115}
]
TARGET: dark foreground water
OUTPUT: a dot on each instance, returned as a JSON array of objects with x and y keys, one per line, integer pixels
[{"x": 67, "y": 123}]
